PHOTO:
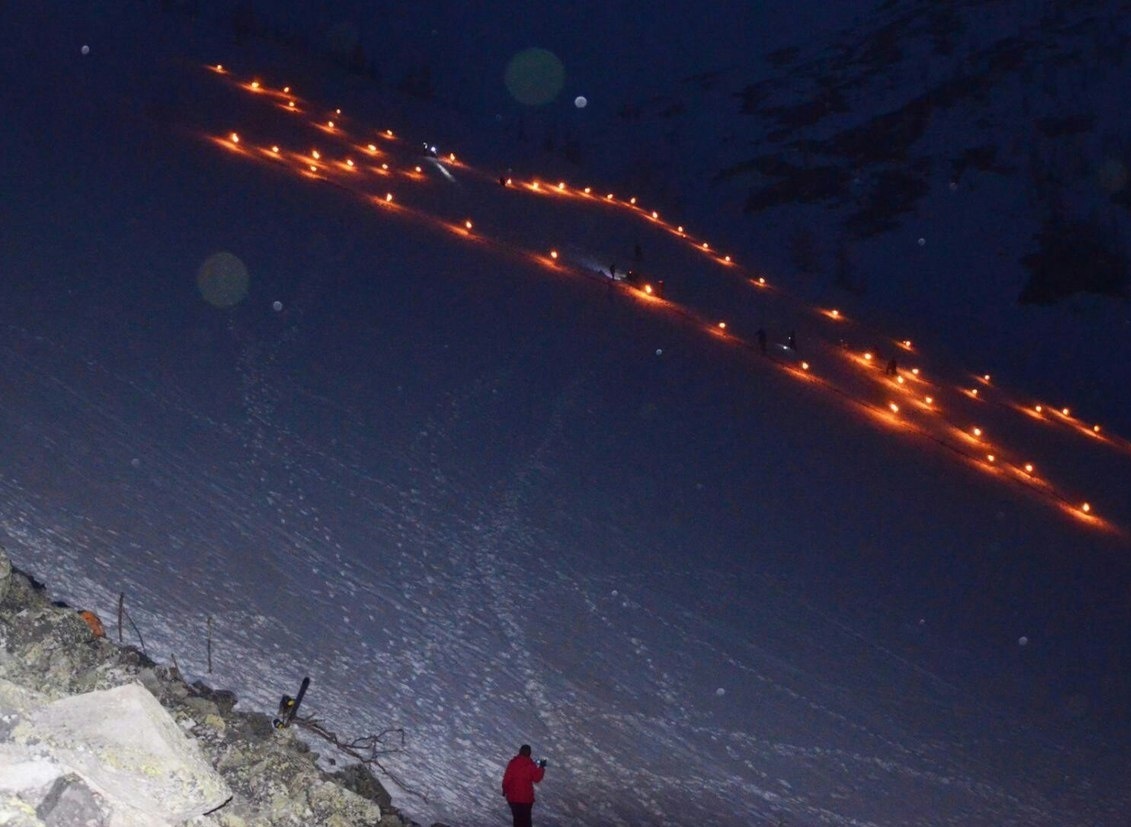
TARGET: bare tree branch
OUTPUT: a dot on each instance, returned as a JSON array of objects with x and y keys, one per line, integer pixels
[{"x": 368, "y": 749}]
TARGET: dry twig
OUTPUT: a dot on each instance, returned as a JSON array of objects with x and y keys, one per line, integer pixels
[{"x": 368, "y": 750}]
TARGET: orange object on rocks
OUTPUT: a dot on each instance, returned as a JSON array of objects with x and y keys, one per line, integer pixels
[{"x": 93, "y": 622}]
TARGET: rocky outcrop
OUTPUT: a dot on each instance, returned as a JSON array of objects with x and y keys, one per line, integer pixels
[
  {"x": 92, "y": 733},
  {"x": 117, "y": 746}
]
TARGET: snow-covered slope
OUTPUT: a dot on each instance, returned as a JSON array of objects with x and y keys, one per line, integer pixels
[
  {"x": 960, "y": 165},
  {"x": 487, "y": 496}
]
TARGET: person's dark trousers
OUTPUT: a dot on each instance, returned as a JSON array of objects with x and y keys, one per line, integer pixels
[{"x": 522, "y": 814}]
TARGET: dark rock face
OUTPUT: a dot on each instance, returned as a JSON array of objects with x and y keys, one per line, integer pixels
[
  {"x": 1074, "y": 257},
  {"x": 69, "y": 802},
  {"x": 916, "y": 97}
]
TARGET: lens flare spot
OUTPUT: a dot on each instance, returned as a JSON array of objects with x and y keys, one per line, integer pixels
[
  {"x": 534, "y": 76},
  {"x": 222, "y": 280}
]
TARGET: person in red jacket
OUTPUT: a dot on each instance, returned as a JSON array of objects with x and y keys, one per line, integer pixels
[{"x": 518, "y": 784}]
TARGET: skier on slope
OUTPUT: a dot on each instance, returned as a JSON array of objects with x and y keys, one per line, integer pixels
[{"x": 518, "y": 784}]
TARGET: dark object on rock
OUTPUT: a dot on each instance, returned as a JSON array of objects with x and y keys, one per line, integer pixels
[
  {"x": 288, "y": 706},
  {"x": 70, "y": 801},
  {"x": 358, "y": 779},
  {"x": 224, "y": 699}
]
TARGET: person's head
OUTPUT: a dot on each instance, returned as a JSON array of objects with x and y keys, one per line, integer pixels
[{"x": 524, "y": 750}]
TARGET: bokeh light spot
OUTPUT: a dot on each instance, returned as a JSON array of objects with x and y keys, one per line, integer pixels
[
  {"x": 581, "y": 101},
  {"x": 222, "y": 280},
  {"x": 534, "y": 76}
]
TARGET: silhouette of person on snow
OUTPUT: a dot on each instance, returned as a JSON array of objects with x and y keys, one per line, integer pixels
[
  {"x": 761, "y": 337},
  {"x": 892, "y": 369},
  {"x": 613, "y": 271},
  {"x": 518, "y": 785}
]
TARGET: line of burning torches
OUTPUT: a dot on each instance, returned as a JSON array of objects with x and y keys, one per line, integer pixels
[{"x": 915, "y": 392}]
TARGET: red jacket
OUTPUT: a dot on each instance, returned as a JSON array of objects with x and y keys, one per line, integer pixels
[{"x": 519, "y": 779}]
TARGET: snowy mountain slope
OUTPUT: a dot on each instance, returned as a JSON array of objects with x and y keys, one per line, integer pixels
[
  {"x": 946, "y": 162},
  {"x": 462, "y": 489},
  {"x": 366, "y": 180},
  {"x": 1010, "y": 157},
  {"x": 908, "y": 100},
  {"x": 1016, "y": 90},
  {"x": 489, "y": 620}
]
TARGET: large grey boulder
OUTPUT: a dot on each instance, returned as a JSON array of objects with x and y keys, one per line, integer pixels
[{"x": 124, "y": 745}]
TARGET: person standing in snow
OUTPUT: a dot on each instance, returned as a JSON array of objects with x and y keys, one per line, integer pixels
[{"x": 518, "y": 785}]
